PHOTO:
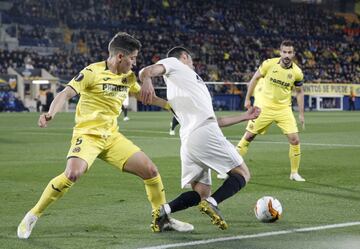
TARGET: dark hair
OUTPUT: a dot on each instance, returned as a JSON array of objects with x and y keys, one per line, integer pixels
[
  {"x": 123, "y": 42},
  {"x": 287, "y": 43},
  {"x": 177, "y": 51}
]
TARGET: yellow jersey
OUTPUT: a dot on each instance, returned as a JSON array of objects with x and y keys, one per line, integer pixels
[
  {"x": 258, "y": 91},
  {"x": 279, "y": 82},
  {"x": 101, "y": 96}
]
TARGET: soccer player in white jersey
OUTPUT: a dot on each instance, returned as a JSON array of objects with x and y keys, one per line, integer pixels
[{"x": 203, "y": 145}]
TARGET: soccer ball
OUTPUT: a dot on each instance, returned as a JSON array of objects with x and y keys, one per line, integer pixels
[{"x": 268, "y": 209}]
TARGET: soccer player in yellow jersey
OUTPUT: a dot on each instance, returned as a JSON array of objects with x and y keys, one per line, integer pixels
[
  {"x": 102, "y": 86},
  {"x": 280, "y": 76}
]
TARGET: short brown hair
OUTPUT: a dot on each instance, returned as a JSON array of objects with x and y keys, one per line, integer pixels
[
  {"x": 123, "y": 42},
  {"x": 287, "y": 43}
]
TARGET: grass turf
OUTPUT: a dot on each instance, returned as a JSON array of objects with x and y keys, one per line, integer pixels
[{"x": 109, "y": 209}]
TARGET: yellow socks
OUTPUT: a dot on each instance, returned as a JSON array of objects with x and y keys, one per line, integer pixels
[
  {"x": 243, "y": 146},
  {"x": 56, "y": 188},
  {"x": 294, "y": 155},
  {"x": 155, "y": 191}
]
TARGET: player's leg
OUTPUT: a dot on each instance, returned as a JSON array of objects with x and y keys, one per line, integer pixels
[
  {"x": 82, "y": 154},
  {"x": 188, "y": 199},
  {"x": 244, "y": 143},
  {"x": 55, "y": 189},
  {"x": 173, "y": 125},
  {"x": 125, "y": 112},
  {"x": 140, "y": 164},
  {"x": 238, "y": 177},
  {"x": 295, "y": 156},
  {"x": 254, "y": 127},
  {"x": 286, "y": 121},
  {"x": 126, "y": 156}
]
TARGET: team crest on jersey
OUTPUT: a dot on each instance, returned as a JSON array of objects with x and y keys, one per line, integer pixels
[
  {"x": 251, "y": 126},
  {"x": 76, "y": 150},
  {"x": 124, "y": 80},
  {"x": 79, "y": 77},
  {"x": 290, "y": 76}
]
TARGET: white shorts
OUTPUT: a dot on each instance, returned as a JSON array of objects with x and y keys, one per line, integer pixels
[{"x": 206, "y": 148}]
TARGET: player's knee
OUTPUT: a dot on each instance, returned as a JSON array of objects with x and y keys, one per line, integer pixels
[
  {"x": 150, "y": 170},
  {"x": 202, "y": 189},
  {"x": 242, "y": 170},
  {"x": 73, "y": 174},
  {"x": 294, "y": 141},
  {"x": 75, "y": 168},
  {"x": 249, "y": 136}
]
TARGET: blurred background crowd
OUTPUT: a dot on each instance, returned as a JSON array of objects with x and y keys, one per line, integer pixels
[{"x": 229, "y": 38}]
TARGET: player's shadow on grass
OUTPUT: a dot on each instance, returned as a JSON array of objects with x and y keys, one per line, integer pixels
[{"x": 298, "y": 188}]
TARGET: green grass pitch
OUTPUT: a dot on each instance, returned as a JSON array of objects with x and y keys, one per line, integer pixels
[{"x": 109, "y": 209}]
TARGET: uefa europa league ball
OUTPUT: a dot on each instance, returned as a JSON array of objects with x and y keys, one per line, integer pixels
[{"x": 268, "y": 209}]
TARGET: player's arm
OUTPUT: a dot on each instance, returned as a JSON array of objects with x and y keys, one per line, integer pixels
[
  {"x": 300, "y": 101},
  {"x": 252, "y": 113},
  {"x": 147, "y": 92},
  {"x": 155, "y": 101},
  {"x": 251, "y": 87},
  {"x": 56, "y": 105}
]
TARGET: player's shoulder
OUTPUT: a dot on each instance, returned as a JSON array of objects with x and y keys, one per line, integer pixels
[
  {"x": 130, "y": 76},
  {"x": 274, "y": 60},
  {"x": 269, "y": 63},
  {"x": 96, "y": 67},
  {"x": 171, "y": 60},
  {"x": 296, "y": 68}
]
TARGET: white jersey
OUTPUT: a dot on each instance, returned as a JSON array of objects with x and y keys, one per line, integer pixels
[{"x": 188, "y": 95}]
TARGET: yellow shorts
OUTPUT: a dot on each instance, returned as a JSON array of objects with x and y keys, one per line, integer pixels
[
  {"x": 115, "y": 149},
  {"x": 284, "y": 118}
]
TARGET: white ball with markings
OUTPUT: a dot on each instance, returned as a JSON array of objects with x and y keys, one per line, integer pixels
[{"x": 268, "y": 209}]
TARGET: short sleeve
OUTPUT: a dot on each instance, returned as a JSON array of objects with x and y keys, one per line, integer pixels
[
  {"x": 264, "y": 67},
  {"x": 169, "y": 64},
  {"x": 82, "y": 80},
  {"x": 299, "y": 79},
  {"x": 134, "y": 87}
]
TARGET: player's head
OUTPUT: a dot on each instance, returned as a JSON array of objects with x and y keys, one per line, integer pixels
[
  {"x": 182, "y": 54},
  {"x": 123, "y": 50},
  {"x": 287, "y": 52}
]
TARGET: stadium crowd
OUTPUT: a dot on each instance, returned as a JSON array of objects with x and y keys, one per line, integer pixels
[{"x": 229, "y": 38}]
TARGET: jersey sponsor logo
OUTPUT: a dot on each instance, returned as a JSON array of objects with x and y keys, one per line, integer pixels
[
  {"x": 79, "y": 77},
  {"x": 89, "y": 69},
  {"x": 117, "y": 91},
  {"x": 274, "y": 71},
  {"x": 106, "y": 79},
  {"x": 280, "y": 83},
  {"x": 114, "y": 88}
]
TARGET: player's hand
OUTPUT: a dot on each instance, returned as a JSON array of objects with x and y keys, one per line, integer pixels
[
  {"x": 302, "y": 121},
  {"x": 253, "y": 112},
  {"x": 247, "y": 103},
  {"x": 147, "y": 92},
  {"x": 44, "y": 119}
]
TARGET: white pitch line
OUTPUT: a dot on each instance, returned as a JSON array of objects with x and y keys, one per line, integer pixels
[
  {"x": 310, "y": 144},
  {"x": 177, "y": 138},
  {"x": 251, "y": 236}
]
